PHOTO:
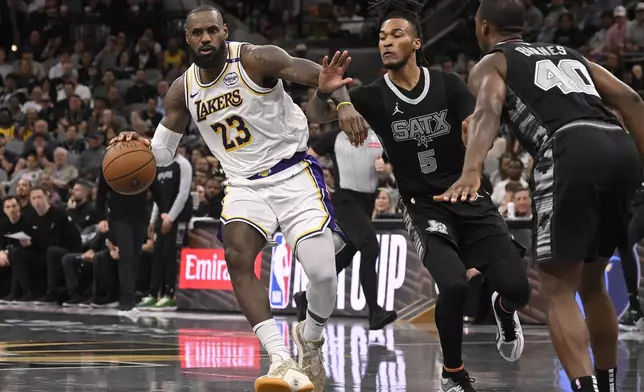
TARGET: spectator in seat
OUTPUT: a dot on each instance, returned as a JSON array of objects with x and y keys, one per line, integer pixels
[
  {"x": 31, "y": 173},
  {"x": 25, "y": 76},
  {"x": 141, "y": 91},
  {"x": 125, "y": 70},
  {"x": 53, "y": 234},
  {"x": 213, "y": 199},
  {"x": 111, "y": 121},
  {"x": 567, "y": 33},
  {"x": 596, "y": 44},
  {"x": 80, "y": 207},
  {"x": 173, "y": 56},
  {"x": 81, "y": 90},
  {"x": 90, "y": 161},
  {"x": 75, "y": 114},
  {"x": 64, "y": 66},
  {"x": 151, "y": 116},
  {"x": 12, "y": 223},
  {"x": 114, "y": 99},
  {"x": 515, "y": 172},
  {"x": 615, "y": 40},
  {"x": 522, "y": 204},
  {"x": 162, "y": 90},
  {"x": 145, "y": 58},
  {"x": 23, "y": 189},
  {"x": 82, "y": 274},
  {"x": 109, "y": 80},
  {"x": 613, "y": 64},
  {"x": 384, "y": 207},
  {"x": 62, "y": 172},
  {"x": 5, "y": 67},
  {"x": 45, "y": 183},
  {"x": 73, "y": 141},
  {"x": 637, "y": 79},
  {"x": 534, "y": 19},
  {"x": 7, "y": 125},
  {"x": 635, "y": 32},
  {"x": 35, "y": 98},
  {"x": 40, "y": 142}
]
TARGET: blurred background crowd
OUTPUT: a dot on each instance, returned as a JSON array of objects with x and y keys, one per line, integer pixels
[{"x": 76, "y": 73}]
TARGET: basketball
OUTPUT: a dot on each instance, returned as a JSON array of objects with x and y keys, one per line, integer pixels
[{"x": 129, "y": 167}]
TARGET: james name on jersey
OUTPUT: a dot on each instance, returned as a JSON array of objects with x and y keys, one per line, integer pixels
[{"x": 223, "y": 101}]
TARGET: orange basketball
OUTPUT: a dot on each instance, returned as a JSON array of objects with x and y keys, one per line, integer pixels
[{"x": 129, "y": 167}]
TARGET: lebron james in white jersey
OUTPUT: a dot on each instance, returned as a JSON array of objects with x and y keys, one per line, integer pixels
[{"x": 234, "y": 93}]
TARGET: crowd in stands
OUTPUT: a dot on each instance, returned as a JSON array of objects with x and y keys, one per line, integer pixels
[{"x": 65, "y": 91}]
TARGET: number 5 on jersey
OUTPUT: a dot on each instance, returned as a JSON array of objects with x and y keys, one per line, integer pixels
[{"x": 234, "y": 134}]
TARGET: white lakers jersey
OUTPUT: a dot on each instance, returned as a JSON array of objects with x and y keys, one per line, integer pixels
[{"x": 247, "y": 127}]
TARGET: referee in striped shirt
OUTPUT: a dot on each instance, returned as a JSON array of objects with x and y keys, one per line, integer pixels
[{"x": 356, "y": 180}]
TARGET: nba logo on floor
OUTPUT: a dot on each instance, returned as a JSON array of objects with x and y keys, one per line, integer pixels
[{"x": 279, "y": 286}]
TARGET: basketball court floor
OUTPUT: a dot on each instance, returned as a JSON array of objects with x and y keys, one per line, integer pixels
[{"x": 96, "y": 350}]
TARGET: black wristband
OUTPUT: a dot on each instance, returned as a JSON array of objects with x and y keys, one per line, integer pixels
[{"x": 322, "y": 95}]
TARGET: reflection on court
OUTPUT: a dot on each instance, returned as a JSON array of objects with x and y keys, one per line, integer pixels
[{"x": 75, "y": 351}]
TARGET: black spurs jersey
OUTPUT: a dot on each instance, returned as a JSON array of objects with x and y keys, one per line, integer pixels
[
  {"x": 420, "y": 129},
  {"x": 548, "y": 86}
]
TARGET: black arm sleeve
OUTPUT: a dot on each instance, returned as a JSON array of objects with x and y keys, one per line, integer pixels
[
  {"x": 101, "y": 198},
  {"x": 461, "y": 99},
  {"x": 325, "y": 144}
]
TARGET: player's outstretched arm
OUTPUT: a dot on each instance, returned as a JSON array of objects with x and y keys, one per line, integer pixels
[
  {"x": 171, "y": 128},
  {"x": 624, "y": 99},
  {"x": 273, "y": 61},
  {"x": 487, "y": 83}
]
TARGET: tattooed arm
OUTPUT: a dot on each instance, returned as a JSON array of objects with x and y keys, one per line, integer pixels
[{"x": 270, "y": 61}]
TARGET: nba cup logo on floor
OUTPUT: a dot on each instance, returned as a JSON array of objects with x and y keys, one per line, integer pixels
[{"x": 279, "y": 285}]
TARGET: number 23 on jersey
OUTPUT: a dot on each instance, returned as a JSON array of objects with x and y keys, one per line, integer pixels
[{"x": 234, "y": 133}]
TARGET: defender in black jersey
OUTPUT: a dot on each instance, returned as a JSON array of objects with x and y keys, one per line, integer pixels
[
  {"x": 417, "y": 112},
  {"x": 585, "y": 174}
]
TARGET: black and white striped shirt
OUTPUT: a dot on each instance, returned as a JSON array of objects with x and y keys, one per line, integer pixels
[{"x": 353, "y": 167}]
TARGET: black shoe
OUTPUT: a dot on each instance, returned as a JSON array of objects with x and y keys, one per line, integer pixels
[
  {"x": 48, "y": 299},
  {"x": 105, "y": 303},
  {"x": 380, "y": 318},
  {"x": 74, "y": 301},
  {"x": 8, "y": 299},
  {"x": 87, "y": 303},
  {"x": 632, "y": 320},
  {"x": 27, "y": 298},
  {"x": 302, "y": 304},
  {"x": 456, "y": 382}
]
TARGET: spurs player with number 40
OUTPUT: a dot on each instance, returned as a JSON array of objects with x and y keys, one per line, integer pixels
[
  {"x": 234, "y": 94},
  {"x": 586, "y": 171},
  {"x": 418, "y": 112}
]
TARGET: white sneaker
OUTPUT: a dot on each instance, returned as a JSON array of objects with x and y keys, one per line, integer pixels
[
  {"x": 310, "y": 357},
  {"x": 284, "y": 376},
  {"x": 509, "y": 334}
]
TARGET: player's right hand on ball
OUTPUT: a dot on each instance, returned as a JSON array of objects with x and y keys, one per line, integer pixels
[{"x": 128, "y": 136}]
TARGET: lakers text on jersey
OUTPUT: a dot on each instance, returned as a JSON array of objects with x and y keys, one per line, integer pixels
[
  {"x": 249, "y": 128},
  {"x": 260, "y": 137}
]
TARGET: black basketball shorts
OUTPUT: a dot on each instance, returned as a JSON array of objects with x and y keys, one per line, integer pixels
[
  {"x": 585, "y": 179},
  {"x": 476, "y": 230}
]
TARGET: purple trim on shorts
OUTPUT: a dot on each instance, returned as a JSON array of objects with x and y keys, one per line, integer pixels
[
  {"x": 281, "y": 166},
  {"x": 318, "y": 175}
]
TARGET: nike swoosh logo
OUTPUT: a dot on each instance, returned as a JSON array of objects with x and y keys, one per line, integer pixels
[{"x": 194, "y": 95}]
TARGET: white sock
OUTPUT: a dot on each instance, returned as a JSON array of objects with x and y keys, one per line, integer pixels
[
  {"x": 273, "y": 342},
  {"x": 312, "y": 328}
]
